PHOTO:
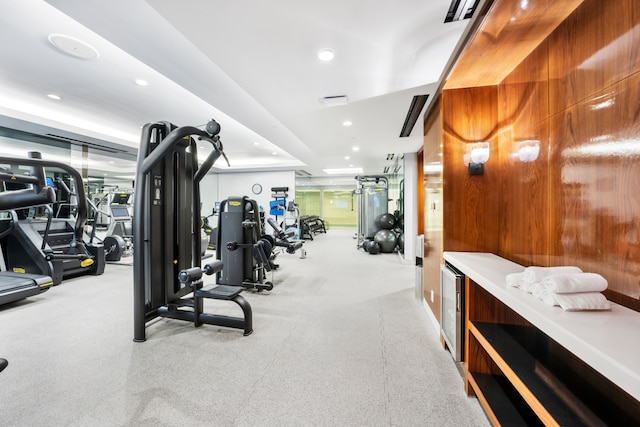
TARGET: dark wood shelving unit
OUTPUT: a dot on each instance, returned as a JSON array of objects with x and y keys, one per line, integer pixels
[
  {"x": 523, "y": 377},
  {"x": 522, "y": 369}
]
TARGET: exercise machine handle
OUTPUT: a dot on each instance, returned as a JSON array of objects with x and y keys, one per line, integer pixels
[
  {"x": 277, "y": 230},
  {"x": 25, "y": 198}
]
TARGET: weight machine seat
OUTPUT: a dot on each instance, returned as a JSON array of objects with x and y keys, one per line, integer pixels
[
  {"x": 222, "y": 292},
  {"x": 227, "y": 293}
]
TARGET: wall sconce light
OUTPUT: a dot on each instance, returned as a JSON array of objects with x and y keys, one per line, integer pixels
[
  {"x": 528, "y": 151},
  {"x": 476, "y": 156}
]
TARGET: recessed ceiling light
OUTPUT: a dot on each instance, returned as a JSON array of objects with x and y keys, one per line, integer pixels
[
  {"x": 347, "y": 123},
  {"x": 346, "y": 157},
  {"x": 142, "y": 82},
  {"x": 355, "y": 148},
  {"x": 274, "y": 153},
  {"x": 54, "y": 96},
  {"x": 342, "y": 171},
  {"x": 256, "y": 143},
  {"x": 326, "y": 55}
]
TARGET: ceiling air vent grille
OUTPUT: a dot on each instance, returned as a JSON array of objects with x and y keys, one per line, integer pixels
[
  {"x": 332, "y": 101},
  {"x": 461, "y": 9},
  {"x": 417, "y": 104}
]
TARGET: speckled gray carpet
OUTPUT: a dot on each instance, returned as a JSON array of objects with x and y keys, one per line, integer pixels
[{"x": 339, "y": 341}]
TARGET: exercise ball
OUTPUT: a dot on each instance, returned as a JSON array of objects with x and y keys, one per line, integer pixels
[
  {"x": 386, "y": 239},
  {"x": 367, "y": 244},
  {"x": 374, "y": 248},
  {"x": 386, "y": 221},
  {"x": 401, "y": 242}
]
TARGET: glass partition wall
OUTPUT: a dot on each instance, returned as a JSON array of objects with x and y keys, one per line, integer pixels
[
  {"x": 334, "y": 199},
  {"x": 107, "y": 170},
  {"x": 104, "y": 170}
]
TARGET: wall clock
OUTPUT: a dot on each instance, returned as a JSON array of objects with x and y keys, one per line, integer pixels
[{"x": 257, "y": 188}]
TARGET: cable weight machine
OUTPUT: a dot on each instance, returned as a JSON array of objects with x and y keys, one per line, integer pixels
[{"x": 166, "y": 230}]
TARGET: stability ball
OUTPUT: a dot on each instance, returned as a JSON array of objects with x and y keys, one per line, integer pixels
[
  {"x": 386, "y": 221},
  {"x": 401, "y": 242},
  {"x": 374, "y": 247},
  {"x": 386, "y": 239}
]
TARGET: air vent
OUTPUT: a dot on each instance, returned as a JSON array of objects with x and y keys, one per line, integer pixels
[
  {"x": 301, "y": 172},
  {"x": 332, "y": 101},
  {"x": 74, "y": 141},
  {"x": 417, "y": 104},
  {"x": 461, "y": 9}
]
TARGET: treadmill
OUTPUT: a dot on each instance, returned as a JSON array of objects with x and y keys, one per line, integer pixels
[{"x": 17, "y": 285}]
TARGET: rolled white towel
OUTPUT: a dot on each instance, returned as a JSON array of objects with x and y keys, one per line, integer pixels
[
  {"x": 537, "y": 290},
  {"x": 515, "y": 279},
  {"x": 536, "y": 274},
  {"x": 570, "y": 283},
  {"x": 578, "y": 301},
  {"x": 525, "y": 286}
]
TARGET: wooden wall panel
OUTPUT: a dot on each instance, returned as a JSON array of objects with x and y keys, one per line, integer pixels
[
  {"x": 524, "y": 182},
  {"x": 433, "y": 208},
  {"x": 595, "y": 47},
  {"x": 578, "y": 94},
  {"x": 595, "y": 159},
  {"x": 524, "y": 94},
  {"x": 524, "y": 201},
  {"x": 513, "y": 30},
  {"x": 470, "y": 202},
  {"x": 420, "y": 192}
]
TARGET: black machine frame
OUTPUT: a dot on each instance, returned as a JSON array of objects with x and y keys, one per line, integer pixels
[
  {"x": 242, "y": 246},
  {"x": 245, "y": 251},
  {"x": 166, "y": 230},
  {"x": 31, "y": 242}
]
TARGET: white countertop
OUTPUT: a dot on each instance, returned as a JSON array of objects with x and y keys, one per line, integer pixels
[{"x": 608, "y": 341}]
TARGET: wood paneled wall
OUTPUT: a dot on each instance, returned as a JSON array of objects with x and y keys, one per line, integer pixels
[
  {"x": 432, "y": 218},
  {"x": 470, "y": 202},
  {"x": 577, "y": 98},
  {"x": 524, "y": 185}
]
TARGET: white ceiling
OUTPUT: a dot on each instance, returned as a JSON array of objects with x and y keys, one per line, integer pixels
[{"x": 249, "y": 64}]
